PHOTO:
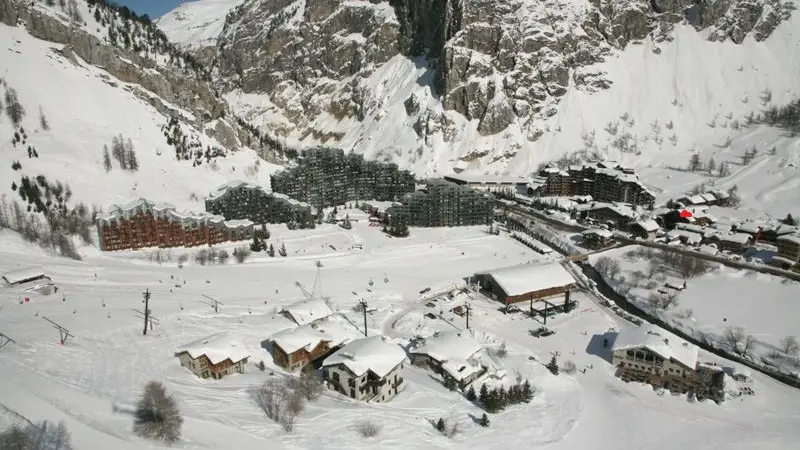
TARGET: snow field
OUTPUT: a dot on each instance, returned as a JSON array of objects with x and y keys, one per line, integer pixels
[{"x": 94, "y": 379}]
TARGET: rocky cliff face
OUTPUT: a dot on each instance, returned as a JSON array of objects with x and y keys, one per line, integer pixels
[{"x": 495, "y": 62}]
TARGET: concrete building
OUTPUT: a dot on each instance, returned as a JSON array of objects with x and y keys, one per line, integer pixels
[
  {"x": 490, "y": 182},
  {"x": 604, "y": 181},
  {"x": 367, "y": 369},
  {"x": 645, "y": 229},
  {"x": 526, "y": 282},
  {"x": 614, "y": 215},
  {"x": 443, "y": 204},
  {"x": 141, "y": 224},
  {"x": 788, "y": 251},
  {"x": 240, "y": 200},
  {"x": 651, "y": 355},
  {"x": 214, "y": 356},
  {"x": 329, "y": 177}
]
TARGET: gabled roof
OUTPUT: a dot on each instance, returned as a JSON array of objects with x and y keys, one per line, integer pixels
[
  {"x": 20, "y": 275},
  {"x": 737, "y": 238},
  {"x": 307, "y": 311},
  {"x": 659, "y": 341},
  {"x": 648, "y": 225},
  {"x": 305, "y": 337},
  {"x": 217, "y": 348},
  {"x": 525, "y": 278},
  {"x": 600, "y": 232},
  {"x": 446, "y": 346},
  {"x": 371, "y": 354}
]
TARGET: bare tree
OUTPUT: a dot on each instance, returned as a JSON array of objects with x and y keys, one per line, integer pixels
[
  {"x": 368, "y": 428},
  {"x": 789, "y": 346},
  {"x": 157, "y": 415},
  {"x": 670, "y": 299},
  {"x": 653, "y": 267},
  {"x": 44, "y": 436},
  {"x": 569, "y": 367},
  {"x": 280, "y": 402},
  {"x": 748, "y": 345},
  {"x": 637, "y": 277},
  {"x": 308, "y": 385},
  {"x": 733, "y": 336}
]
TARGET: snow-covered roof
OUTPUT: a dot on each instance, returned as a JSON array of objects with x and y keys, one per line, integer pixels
[
  {"x": 737, "y": 238},
  {"x": 525, "y": 278},
  {"x": 690, "y": 227},
  {"x": 303, "y": 337},
  {"x": 20, "y": 275},
  {"x": 307, "y": 311},
  {"x": 368, "y": 354},
  {"x": 460, "y": 369},
  {"x": 446, "y": 346},
  {"x": 659, "y": 341},
  {"x": 749, "y": 227},
  {"x": 239, "y": 223},
  {"x": 795, "y": 238},
  {"x": 689, "y": 236},
  {"x": 487, "y": 179},
  {"x": 707, "y": 249},
  {"x": 622, "y": 209},
  {"x": 648, "y": 225},
  {"x": 217, "y": 348},
  {"x": 708, "y": 197},
  {"x": 225, "y": 188},
  {"x": 600, "y": 232}
]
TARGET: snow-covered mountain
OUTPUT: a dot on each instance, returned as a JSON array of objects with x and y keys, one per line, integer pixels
[
  {"x": 500, "y": 86},
  {"x": 85, "y": 81},
  {"x": 196, "y": 25}
]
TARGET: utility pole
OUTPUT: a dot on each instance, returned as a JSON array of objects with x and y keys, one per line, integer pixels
[
  {"x": 363, "y": 304},
  {"x": 468, "y": 313},
  {"x": 146, "y": 294}
]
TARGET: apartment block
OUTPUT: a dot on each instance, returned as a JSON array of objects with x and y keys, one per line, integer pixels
[
  {"x": 239, "y": 200},
  {"x": 141, "y": 224},
  {"x": 329, "y": 177},
  {"x": 443, "y": 204}
]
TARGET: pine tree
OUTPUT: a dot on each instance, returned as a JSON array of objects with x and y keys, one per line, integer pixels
[
  {"x": 723, "y": 170},
  {"x": 483, "y": 395},
  {"x": 271, "y": 251},
  {"x": 527, "y": 392},
  {"x": 282, "y": 251},
  {"x": 711, "y": 166},
  {"x": 553, "y": 365},
  {"x": 43, "y": 120},
  {"x": 502, "y": 397},
  {"x": 130, "y": 151},
  {"x": 157, "y": 415},
  {"x": 694, "y": 163},
  {"x": 789, "y": 220},
  {"x": 440, "y": 425},
  {"x": 484, "y": 420},
  {"x": 471, "y": 394},
  {"x": 106, "y": 159},
  {"x": 256, "y": 245},
  {"x": 14, "y": 108}
]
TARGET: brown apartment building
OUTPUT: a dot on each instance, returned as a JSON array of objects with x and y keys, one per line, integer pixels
[
  {"x": 142, "y": 224},
  {"x": 606, "y": 182}
]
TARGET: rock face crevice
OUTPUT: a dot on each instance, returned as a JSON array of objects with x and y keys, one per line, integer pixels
[{"x": 495, "y": 62}]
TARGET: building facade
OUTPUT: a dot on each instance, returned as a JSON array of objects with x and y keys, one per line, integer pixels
[
  {"x": 652, "y": 356},
  {"x": 443, "y": 204},
  {"x": 141, "y": 224},
  {"x": 329, "y": 177},
  {"x": 606, "y": 182},
  {"x": 367, "y": 369},
  {"x": 239, "y": 201},
  {"x": 214, "y": 357},
  {"x": 788, "y": 251}
]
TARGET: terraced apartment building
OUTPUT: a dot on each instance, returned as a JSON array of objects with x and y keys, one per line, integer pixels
[
  {"x": 443, "y": 204},
  {"x": 239, "y": 200},
  {"x": 328, "y": 177},
  {"x": 142, "y": 223},
  {"x": 605, "y": 182}
]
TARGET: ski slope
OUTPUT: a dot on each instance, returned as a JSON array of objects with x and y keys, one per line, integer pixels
[{"x": 92, "y": 382}]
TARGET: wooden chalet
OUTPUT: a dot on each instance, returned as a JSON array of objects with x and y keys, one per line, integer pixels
[{"x": 214, "y": 356}]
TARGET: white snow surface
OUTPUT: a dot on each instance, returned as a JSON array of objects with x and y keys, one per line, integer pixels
[
  {"x": 103, "y": 368},
  {"x": 533, "y": 277},
  {"x": 448, "y": 345},
  {"x": 195, "y": 24},
  {"x": 372, "y": 353},
  {"x": 659, "y": 341},
  {"x": 15, "y": 276},
  {"x": 303, "y": 337},
  {"x": 217, "y": 348}
]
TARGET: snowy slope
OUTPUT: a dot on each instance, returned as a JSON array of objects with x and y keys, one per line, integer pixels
[
  {"x": 195, "y": 24},
  {"x": 94, "y": 380},
  {"x": 85, "y": 108}
]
